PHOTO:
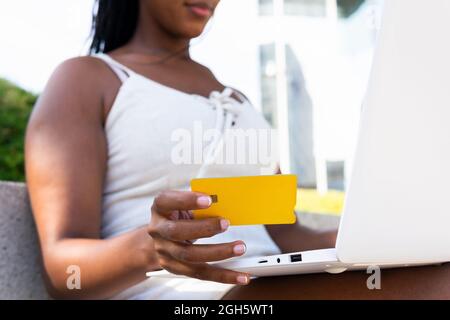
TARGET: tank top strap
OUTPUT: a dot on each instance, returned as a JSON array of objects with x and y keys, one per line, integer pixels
[{"x": 119, "y": 69}]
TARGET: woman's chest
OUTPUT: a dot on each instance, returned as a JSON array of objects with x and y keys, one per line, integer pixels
[{"x": 169, "y": 134}]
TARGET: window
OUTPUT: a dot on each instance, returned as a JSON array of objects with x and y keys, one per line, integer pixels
[
  {"x": 336, "y": 175},
  {"x": 265, "y": 7},
  {"x": 311, "y": 8},
  {"x": 268, "y": 71},
  {"x": 348, "y": 7},
  {"x": 300, "y": 117},
  {"x": 318, "y": 8}
]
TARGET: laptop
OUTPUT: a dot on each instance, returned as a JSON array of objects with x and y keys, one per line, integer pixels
[{"x": 397, "y": 207}]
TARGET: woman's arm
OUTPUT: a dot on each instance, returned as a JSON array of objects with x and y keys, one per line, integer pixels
[
  {"x": 295, "y": 237},
  {"x": 65, "y": 164},
  {"x": 106, "y": 266}
]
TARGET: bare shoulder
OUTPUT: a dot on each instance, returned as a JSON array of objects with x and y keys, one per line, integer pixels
[
  {"x": 82, "y": 64},
  {"x": 78, "y": 85},
  {"x": 83, "y": 73},
  {"x": 68, "y": 117}
]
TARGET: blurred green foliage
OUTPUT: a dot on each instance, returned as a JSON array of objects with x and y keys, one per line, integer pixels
[{"x": 15, "y": 108}]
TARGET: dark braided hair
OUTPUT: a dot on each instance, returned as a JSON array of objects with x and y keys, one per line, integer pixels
[{"x": 113, "y": 24}]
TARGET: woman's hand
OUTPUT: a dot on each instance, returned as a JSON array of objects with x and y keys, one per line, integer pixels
[{"x": 173, "y": 231}]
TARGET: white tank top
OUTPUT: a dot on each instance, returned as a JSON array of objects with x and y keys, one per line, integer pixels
[{"x": 143, "y": 130}]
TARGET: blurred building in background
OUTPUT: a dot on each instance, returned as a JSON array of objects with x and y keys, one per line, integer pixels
[{"x": 305, "y": 64}]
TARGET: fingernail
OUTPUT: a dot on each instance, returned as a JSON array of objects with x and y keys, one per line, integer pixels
[
  {"x": 239, "y": 249},
  {"x": 242, "y": 279},
  {"x": 224, "y": 224},
  {"x": 204, "y": 201}
]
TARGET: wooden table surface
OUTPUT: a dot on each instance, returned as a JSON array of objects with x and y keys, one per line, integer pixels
[{"x": 431, "y": 282}]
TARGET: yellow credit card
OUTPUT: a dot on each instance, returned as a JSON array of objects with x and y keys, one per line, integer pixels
[{"x": 249, "y": 200}]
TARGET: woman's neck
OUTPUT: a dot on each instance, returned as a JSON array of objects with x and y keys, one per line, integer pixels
[{"x": 150, "y": 38}]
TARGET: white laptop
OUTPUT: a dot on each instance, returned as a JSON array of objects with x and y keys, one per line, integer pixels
[{"x": 397, "y": 210}]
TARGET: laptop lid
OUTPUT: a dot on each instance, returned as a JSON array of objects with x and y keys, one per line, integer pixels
[{"x": 398, "y": 202}]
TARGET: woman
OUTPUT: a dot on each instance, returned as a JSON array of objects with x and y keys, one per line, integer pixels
[{"x": 98, "y": 157}]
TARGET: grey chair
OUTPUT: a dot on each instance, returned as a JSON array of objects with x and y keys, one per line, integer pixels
[{"x": 20, "y": 262}]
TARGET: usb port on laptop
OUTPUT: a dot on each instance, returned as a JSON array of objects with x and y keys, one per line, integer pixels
[
  {"x": 296, "y": 257},
  {"x": 262, "y": 261}
]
